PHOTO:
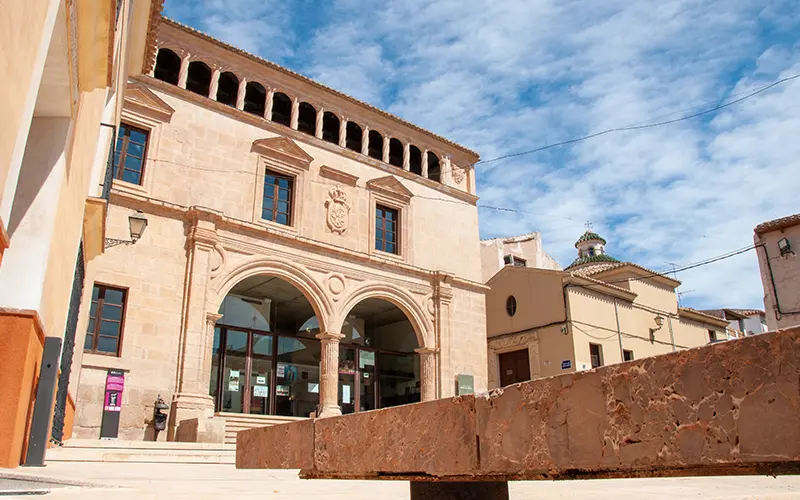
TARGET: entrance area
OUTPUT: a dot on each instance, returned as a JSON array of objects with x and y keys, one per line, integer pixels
[
  {"x": 266, "y": 357},
  {"x": 514, "y": 367}
]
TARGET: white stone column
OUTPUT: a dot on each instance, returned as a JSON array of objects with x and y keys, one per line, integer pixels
[
  {"x": 212, "y": 89},
  {"x": 191, "y": 399},
  {"x": 406, "y": 157},
  {"x": 425, "y": 163},
  {"x": 386, "y": 140},
  {"x": 446, "y": 171},
  {"x": 208, "y": 350},
  {"x": 427, "y": 372},
  {"x": 183, "y": 74},
  {"x": 268, "y": 104},
  {"x": 342, "y": 131},
  {"x": 295, "y": 113},
  {"x": 318, "y": 123},
  {"x": 329, "y": 375},
  {"x": 365, "y": 141},
  {"x": 241, "y": 93}
]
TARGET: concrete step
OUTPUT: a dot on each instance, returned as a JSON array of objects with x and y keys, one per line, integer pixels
[
  {"x": 142, "y": 452},
  {"x": 236, "y": 422}
]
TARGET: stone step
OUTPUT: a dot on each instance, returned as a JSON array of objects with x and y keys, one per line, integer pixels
[
  {"x": 142, "y": 452},
  {"x": 235, "y": 422}
]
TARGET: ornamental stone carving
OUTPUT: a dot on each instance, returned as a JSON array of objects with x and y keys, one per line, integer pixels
[
  {"x": 338, "y": 210},
  {"x": 458, "y": 174}
]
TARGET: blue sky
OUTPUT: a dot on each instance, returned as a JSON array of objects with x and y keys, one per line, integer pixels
[{"x": 503, "y": 77}]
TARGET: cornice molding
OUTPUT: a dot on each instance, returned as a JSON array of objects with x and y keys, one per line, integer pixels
[
  {"x": 283, "y": 149},
  {"x": 390, "y": 187},
  {"x": 337, "y": 175},
  {"x": 233, "y": 225},
  {"x": 140, "y": 99}
]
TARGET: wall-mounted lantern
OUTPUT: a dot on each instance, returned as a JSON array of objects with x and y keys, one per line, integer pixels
[
  {"x": 784, "y": 246},
  {"x": 159, "y": 417},
  {"x": 137, "y": 223},
  {"x": 659, "y": 323}
]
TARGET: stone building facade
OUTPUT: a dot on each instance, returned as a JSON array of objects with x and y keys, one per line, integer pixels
[
  {"x": 598, "y": 311},
  {"x": 65, "y": 64},
  {"x": 305, "y": 253},
  {"x": 777, "y": 243}
]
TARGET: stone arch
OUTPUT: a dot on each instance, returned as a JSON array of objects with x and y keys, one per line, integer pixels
[
  {"x": 285, "y": 270},
  {"x": 413, "y": 311},
  {"x": 168, "y": 66}
]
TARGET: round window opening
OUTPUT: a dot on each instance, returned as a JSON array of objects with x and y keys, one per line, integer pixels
[{"x": 511, "y": 305}]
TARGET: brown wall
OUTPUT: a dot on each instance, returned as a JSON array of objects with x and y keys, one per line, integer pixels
[{"x": 21, "y": 344}]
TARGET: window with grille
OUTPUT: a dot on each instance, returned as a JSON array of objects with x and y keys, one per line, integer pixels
[
  {"x": 386, "y": 222},
  {"x": 511, "y": 260},
  {"x": 106, "y": 317},
  {"x": 596, "y": 353},
  {"x": 277, "y": 203},
  {"x": 129, "y": 154}
]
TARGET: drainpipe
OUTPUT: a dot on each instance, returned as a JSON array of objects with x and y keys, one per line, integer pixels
[
  {"x": 671, "y": 333},
  {"x": 619, "y": 333}
]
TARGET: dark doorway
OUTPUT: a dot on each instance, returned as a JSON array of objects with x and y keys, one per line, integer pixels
[{"x": 514, "y": 367}]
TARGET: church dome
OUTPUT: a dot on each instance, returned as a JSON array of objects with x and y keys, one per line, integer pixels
[{"x": 591, "y": 249}]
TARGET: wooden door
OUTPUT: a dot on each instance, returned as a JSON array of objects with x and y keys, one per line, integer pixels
[{"x": 514, "y": 367}]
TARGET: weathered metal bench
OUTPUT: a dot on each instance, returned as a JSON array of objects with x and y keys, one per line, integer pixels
[{"x": 731, "y": 408}]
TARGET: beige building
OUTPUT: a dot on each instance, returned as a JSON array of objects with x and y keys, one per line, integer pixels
[
  {"x": 742, "y": 321},
  {"x": 522, "y": 251},
  {"x": 598, "y": 311},
  {"x": 305, "y": 253},
  {"x": 65, "y": 65},
  {"x": 777, "y": 243}
]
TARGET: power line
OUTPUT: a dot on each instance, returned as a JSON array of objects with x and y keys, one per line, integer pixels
[
  {"x": 644, "y": 126},
  {"x": 704, "y": 262}
]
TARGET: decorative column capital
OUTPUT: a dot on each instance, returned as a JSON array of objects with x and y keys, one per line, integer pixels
[
  {"x": 330, "y": 336},
  {"x": 212, "y": 318},
  {"x": 422, "y": 351}
]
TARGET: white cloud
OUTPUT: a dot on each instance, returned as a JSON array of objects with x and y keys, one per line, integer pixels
[{"x": 503, "y": 77}]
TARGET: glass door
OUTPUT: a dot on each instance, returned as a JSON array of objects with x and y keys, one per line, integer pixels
[
  {"x": 234, "y": 371},
  {"x": 347, "y": 379},
  {"x": 260, "y": 374},
  {"x": 366, "y": 377}
]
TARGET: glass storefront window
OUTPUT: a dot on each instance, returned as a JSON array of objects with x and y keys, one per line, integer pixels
[
  {"x": 347, "y": 379},
  {"x": 260, "y": 374},
  {"x": 399, "y": 379},
  {"x": 234, "y": 371},
  {"x": 216, "y": 355},
  {"x": 367, "y": 381},
  {"x": 297, "y": 377},
  {"x": 250, "y": 314}
]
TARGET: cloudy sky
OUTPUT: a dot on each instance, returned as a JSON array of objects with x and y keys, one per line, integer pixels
[{"x": 505, "y": 76}]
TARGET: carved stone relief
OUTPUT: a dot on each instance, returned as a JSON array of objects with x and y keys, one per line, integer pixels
[
  {"x": 338, "y": 210},
  {"x": 458, "y": 174}
]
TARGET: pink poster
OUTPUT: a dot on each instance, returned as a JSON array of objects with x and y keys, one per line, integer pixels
[{"x": 115, "y": 384}]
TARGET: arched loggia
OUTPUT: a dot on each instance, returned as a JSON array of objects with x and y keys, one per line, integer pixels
[
  {"x": 265, "y": 356},
  {"x": 168, "y": 66}
]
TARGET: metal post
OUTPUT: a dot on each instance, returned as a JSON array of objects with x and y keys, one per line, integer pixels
[{"x": 619, "y": 333}]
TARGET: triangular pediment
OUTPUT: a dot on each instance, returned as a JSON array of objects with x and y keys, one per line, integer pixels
[
  {"x": 282, "y": 148},
  {"x": 142, "y": 100},
  {"x": 390, "y": 186}
]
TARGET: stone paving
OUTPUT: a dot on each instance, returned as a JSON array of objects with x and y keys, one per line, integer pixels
[{"x": 199, "y": 481}]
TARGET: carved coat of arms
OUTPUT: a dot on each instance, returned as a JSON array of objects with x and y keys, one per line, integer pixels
[{"x": 338, "y": 210}]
